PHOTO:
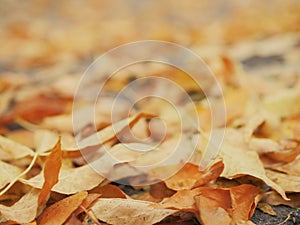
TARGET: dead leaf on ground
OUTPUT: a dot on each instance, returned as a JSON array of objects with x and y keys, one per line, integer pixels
[
  {"x": 23, "y": 211},
  {"x": 127, "y": 211},
  {"x": 59, "y": 212}
]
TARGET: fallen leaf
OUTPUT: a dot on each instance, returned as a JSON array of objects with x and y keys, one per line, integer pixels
[
  {"x": 8, "y": 173},
  {"x": 190, "y": 176},
  {"x": 73, "y": 220},
  {"x": 127, "y": 211},
  {"x": 10, "y": 150},
  {"x": 274, "y": 198},
  {"x": 160, "y": 190},
  {"x": 23, "y": 211},
  {"x": 183, "y": 200},
  {"x": 71, "y": 180},
  {"x": 289, "y": 150},
  {"x": 297, "y": 132},
  {"x": 61, "y": 123},
  {"x": 35, "y": 109},
  {"x": 238, "y": 162},
  {"x": 212, "y": 212},
  {"x": 266, "y": 208},
  {"x": 283, "y": 103},
  {"x": 45, "y": 140},
  {"x": 109, "y": 133},
  {"x": 59, "y": 212},
  {"x": 232, "y": 206},
  {"x": 263, "y": 145},
  {"x": 23, "y": 137},
  {"x": 289, "y": 183},
  {"x": 243, "y": 201},
  {"x": 86, "y": 203},
  {"x": 51, "y": 172},
  {"x": 292, "y": 168},
  {"x": 185, "y": 178},
  {"x": 210, "y": 174},
  {"x": 109, "y": 191}
]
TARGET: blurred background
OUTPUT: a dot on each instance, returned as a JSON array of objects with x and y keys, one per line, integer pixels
[{"x": 41, "y": 34}]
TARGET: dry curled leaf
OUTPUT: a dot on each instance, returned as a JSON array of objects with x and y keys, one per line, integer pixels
[
  {"x": 190, "y": 176},
  {"x": 51, "y": 172},
  {"x": 109, "y": 133},
  {"x": 8, "y": 173},
  {"x": 60, "y": 211},
  {"x": 71, "y": 180},
  {"x": 127, "y": 211},
  {"x": 10, "y": 150},
  {"x": 239, "y": 162},
  {"x": 232, "y": 206},
  {"x": 23, "y": 211}
]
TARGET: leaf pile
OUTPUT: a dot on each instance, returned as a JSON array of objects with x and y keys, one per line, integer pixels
[{"x": 44, "y": 177}]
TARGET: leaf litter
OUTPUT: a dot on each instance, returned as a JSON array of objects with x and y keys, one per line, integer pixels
[{"x": 45, "y": 179}]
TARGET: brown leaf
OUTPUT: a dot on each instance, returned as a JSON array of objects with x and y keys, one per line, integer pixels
[
  {"x": 238, "y": 162},
  {"x": 183, "y": 200},
  {"x": 211, "y": 211},
  {"x": 243, "y": 201},
  {"x": 273, "y": 198},
  {"x": 45, "y": 140},
  {"x": 160, "y": 190},
  {"x": 71, "y": 180},
  {"x": 51, "y": 172},
  {"x": 35, "y": 109},
  {"x": 127, "y": 211},
  {"x": 8, "y": 173},
  {"x": 266, "y": 208},
  {"x": 289, "y": 150},
  {"x": 190, "y": 176},
  {"x": 23, "y": 211},
  {"x": 110, "y": 133},
  {"x": 235, "y": 205},
  {"x": 292, "y": 168},
  {"x": 87, "y": 202},
  {"x": 60, "y": 211},
  {"x": 210, "y": 174},
  {"x": 73, "y": 220},
  {"x": 109, "y": 191},
  {"x": 185, "y": 178},
  {"x": 288, "y": 182},
  {"x": 10, "y": 150},
  {"x": 23, "y": 137}
]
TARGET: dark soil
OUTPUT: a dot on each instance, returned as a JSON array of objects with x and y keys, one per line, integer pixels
[{"x": 285, "y": 216}]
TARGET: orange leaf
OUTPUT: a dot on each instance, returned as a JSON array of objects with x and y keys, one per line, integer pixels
[
  {"x": 35, "y": 109},
  {"x": 190, "y": 176},
  {"x": 243, "y": 201},
  {"x": 51, "y": 172},
  {"x": 109, "y": 191},
  {"x": 211, "y": 213},
  {"x": 235, "y": 204},
  {"x": 185, "y": 178},
  {"x": 183, "y": 200},
  {"x": 90, "y": 199},
  {"x": 160, "y": 190},
  {"x": 59, "y": 212},
  {"x": 111, "y": 132},
  {"x": 211, "y": 174}
]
